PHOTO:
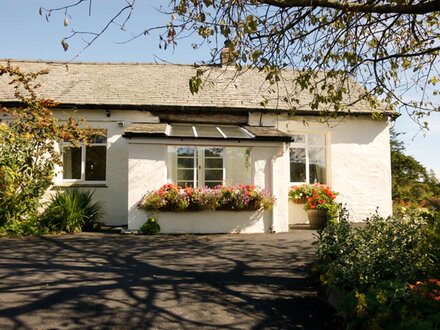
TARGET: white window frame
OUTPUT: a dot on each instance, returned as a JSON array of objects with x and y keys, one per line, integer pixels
[
  {"x": 199, "y": 165},
  {"x": 305, "y": 145},
  {"x": 83, "y": 147}
]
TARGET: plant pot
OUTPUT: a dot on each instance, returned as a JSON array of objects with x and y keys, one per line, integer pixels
[
  {"x": 317, "y": 218},
  {"x": 301, "y": 200}
]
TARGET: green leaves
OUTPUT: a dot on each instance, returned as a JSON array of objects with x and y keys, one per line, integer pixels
[
  {"x": 368, "y": 270},
  {"x": 27, "y": 154},
  {"x": 195, "y": 82},
  {"x": 251, "y": 24},
  {"x": 72, "y": 212}
]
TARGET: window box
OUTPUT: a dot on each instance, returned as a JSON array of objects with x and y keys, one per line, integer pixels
[
  {"x": 207, "y": 222},
  {"x": 223, "y": 209}
]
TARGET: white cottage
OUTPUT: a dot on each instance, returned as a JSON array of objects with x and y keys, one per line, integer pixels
[{"x": 158, "y": 132}]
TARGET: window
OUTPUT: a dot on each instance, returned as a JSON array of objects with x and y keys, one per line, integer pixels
[
  {"x": 86, "y": 162},
  {"x": 208, "y": 166},
  {"x": 308, "y": 158}
]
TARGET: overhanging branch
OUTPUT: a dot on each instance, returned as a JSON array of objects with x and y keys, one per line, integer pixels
[{"x": 365, "y": 7}]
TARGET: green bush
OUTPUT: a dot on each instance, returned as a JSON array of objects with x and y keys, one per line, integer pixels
[
  {"x": 29, "y": 227},
  {"x": 382, "y": 249},
  {"x": 27, "y": 153},
  {"x": 150, "y": 227},
  {"x": 72, "y": 211},
  {"x": 371, "y": 270},
  {"x": 390, "y": 304}
]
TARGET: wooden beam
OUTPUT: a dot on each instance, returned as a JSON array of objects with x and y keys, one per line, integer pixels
[{"x": 198, "y": 118}]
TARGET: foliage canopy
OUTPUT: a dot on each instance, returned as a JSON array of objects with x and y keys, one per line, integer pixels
[
  {"x": 412, "y": 184},
  {"x": 27, "y": 153}
]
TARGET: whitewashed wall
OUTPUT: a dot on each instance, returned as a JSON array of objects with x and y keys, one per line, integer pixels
[
  {"x": 358, "y": 161},
  {"x": 114, "y": 192}
]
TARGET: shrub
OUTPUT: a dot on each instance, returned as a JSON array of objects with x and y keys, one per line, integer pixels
[
  {"x": 383, "y": 275},
  {"x": 23, "y": 228},
  {"x": 392, "y": 304},
  {"x": 27, "y": 153},
  {"x": 72, "y": 211},
  {"x": 232, "y": 198},
  {"x": 382, "y": 249},
  {"x": 150, "y": 227}
]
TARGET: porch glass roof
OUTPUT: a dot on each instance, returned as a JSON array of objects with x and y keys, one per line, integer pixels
[
  {"x": 205, "y": 131},
  {"x": 208, "y": 131}
]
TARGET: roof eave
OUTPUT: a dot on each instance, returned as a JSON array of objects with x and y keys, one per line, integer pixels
[{"x": 195, "y": 109}]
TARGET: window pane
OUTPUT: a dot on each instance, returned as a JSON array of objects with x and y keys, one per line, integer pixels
[
  {"x": 98, "y": 139},
  {"x": 187, "y": 175},
  {"x": 298, "y": 138},
  {"x": 208, "y": 131},
  {"x": 214, "y": 175},
  {"x": 317, "y": 165},
  {"x": 238, "y": 165},
  {"x": 212, "y": 184},
  {"x": 297, "y": 165},
  {"x": 214, "y": 163},
  {"x": 96, "y": 158},
  {"x": 185, "y": 162},
  {"x": 316, "y": 139},
  {"x": 234, "y": 132},
  {"x": 71, "y": 163},
  {"x": 181, "y": 130},
  {"x": 214, "y": 152},
  {"x": 185, "y": 151},
  {"x": 185, "y": 183}
]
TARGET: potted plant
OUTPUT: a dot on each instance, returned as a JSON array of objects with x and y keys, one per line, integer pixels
[
  {"x": 319, "y": 203},
  {"x": 299, "y": 194}
]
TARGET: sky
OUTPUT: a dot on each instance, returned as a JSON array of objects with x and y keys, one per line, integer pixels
[{"x": 24, "y": 34}]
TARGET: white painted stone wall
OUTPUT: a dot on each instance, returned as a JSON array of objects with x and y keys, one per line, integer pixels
[
  {"x": 113, "y": 193},
  {"x": 358, "y": 159},
  {"x": 147, "y": 171}
]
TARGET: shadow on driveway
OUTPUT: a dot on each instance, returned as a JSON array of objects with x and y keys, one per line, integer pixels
[{"x": 104, "y": 281}]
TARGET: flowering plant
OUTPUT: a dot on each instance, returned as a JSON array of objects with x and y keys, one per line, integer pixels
[
  {"x": 299, "y": 194},
  {"x": 316, "y": 197},
  {"x": 429, "y": 289},
  {"x": 229, "y": 198}
]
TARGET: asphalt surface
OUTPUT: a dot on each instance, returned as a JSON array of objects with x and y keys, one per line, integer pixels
[{"x": 108, "y": 281}]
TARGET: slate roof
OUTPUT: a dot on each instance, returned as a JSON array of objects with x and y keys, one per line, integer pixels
[{"x": 163, "y": 86}]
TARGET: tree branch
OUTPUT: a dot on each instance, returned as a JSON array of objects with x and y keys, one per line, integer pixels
[{"x": 366, "y": 7}]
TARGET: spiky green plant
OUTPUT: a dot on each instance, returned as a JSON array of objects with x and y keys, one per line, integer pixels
[{"x": 72, "y": 211}]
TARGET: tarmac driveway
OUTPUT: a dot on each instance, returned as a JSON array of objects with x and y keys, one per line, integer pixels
[{"x": 104, "y": 281}]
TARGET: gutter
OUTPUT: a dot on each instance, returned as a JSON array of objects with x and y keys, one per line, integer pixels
[{"x": 188, "y": 109}]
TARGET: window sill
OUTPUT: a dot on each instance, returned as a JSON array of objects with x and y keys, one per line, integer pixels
[{"x": 80, "y": 185}]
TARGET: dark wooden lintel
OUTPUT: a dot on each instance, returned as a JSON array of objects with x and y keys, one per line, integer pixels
[{"x": 199, "y": 118}]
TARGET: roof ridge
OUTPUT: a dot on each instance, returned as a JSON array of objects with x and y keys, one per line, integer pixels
[{"x": 12, "y": 60}]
